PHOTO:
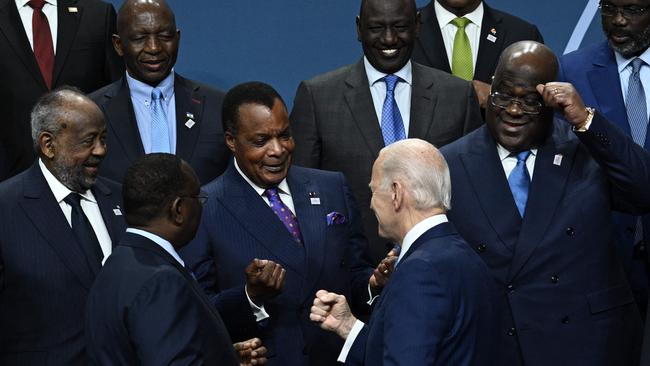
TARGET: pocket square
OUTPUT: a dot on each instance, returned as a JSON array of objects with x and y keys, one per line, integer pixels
[{"x": 335, "y": 218}]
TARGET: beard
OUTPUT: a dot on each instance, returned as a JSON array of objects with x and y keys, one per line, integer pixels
[
  {"x": 72, "y": 175},
  {"x": 637, "y": 43}
]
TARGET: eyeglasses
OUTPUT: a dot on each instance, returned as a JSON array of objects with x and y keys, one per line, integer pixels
[
  {"x": 610, "y": 10},
  {"x": 527, "y": 105},
  {"x": 202, "y": 197}
]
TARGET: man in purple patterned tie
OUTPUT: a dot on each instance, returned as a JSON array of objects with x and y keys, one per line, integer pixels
[{"x": 303, "y": 219}]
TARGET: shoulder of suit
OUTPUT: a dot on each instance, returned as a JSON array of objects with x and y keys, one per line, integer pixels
[
  {"x": 462, "y": 144},
  {"x": 331, "y": 77},
  {"x": 437, "y": 76},
  {"x": 201, "y": 87},
  {"x": 584, "y": 54},
  {"x": 317, "y": 174},
  {"x": 105, "y": 93},
  {"x": 509, "y": 20}
]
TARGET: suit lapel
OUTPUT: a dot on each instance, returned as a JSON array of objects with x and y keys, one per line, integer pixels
[
  {"x": 423, "y": 100},
  {"x": 483, "y": 166},
  {"x": 606, "y": 85},
  {"x": 488, "y": 51},
  {"x": 103, "y": 196},
  {"x": 430, "y": 40},
  {"x": 257, "y": 218},
  {"x": 546, "y": 191},
  {"x": 123, "y": 122},
  {"x": 66, "y": 34},
  {"x": 360, "y": 104},
  {"x": 45, "y": 213},
  {"x": 189, "y": 103},
  {"x": 12, "y": 28}
]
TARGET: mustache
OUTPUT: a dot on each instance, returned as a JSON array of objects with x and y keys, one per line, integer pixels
[{"x": 92, "y": 161}]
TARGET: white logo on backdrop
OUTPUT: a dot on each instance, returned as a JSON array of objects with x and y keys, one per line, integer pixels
[{"x": 583, "y": 25}]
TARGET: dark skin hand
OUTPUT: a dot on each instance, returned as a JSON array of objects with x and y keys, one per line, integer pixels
[
  {"x": 565, "y": 98},
  {"x": 382, "y": 273},
  {"x": 482, "y": 91},
  {"x": 251, "y": 352},
  {"x": 264, "y": 280}
]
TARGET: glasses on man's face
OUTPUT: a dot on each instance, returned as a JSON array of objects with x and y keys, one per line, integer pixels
[
  {"x": 202, "y": 197},
  {"x": 527, "y": 105},
  {"x": 630, "y": 11}
]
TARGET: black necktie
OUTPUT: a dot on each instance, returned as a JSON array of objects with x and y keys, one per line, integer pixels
[{"x": 85, "y": 233}]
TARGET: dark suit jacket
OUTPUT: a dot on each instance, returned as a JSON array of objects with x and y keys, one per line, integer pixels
[
  {"x": 430, "y": 48},
  {"x": 437, "y": 308},
  {"x": 202, "y": 145},
  {"x": 44, "y": 276},
  {"x": 84, "y": 58},
  {"x": 563, "y": 287},
  {"x": 146, "y": 309},
  {"x": 336, "y": 128},
  {"x": 237, "y": 226}
]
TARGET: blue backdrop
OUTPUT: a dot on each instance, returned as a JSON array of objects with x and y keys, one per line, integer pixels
[{"x": 281, "y": 42}]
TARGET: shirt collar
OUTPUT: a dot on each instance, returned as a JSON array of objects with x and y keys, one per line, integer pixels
[
  {"x": 374, "y": 75},
  {"x": 504, "y": 153},
  {"x": 142, "y": 90},
  {"x": 167, "y": 246},
  {"x": 283, "y": 187},
  {"x": 22, "y": 3},
  {"x": 444, "y": 16},
  {"x": 622, "y": 62},
  {"x": 59, "y": 190},
  {"x": 417, "y": 231}
]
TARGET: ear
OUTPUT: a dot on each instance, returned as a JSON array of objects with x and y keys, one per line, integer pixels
[
  {"x": 176, "y": 211},
  {"x": 397, "y": 195},
  {"x": 117, "y": 44},
  {"x": 230, "y": 141},
  {"x": 46, "y": 144},
  {"x": 358, "y": 21}
]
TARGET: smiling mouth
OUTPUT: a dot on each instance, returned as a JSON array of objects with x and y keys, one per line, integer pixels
[
  {"x": 274, "y": 168},
  {"x": 153, "y": 65},
  {"x": 390, "y": 52}
]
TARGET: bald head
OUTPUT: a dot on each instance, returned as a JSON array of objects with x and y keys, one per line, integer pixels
[
  {"x": 529, "y": 60},
  {"x": 130, "y": 8}
]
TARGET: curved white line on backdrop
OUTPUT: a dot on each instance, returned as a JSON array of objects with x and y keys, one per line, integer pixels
[{"x": 583, "y": 25}]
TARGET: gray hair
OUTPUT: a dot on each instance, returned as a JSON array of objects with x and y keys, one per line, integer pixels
[
  {"x": 50, "y": 109},
  {"x": 423, "y": 171}
]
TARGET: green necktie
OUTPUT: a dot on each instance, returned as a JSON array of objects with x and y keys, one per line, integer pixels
[{"x": 461, "y": 58}]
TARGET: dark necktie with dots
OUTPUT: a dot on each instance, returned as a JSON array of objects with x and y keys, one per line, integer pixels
[{"x": 284, "y": 214}]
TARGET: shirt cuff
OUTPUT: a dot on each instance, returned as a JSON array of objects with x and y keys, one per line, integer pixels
[
  {"x": 259, "y": 312},
  {"x": 347, "y": 346},
  {"x": 370, "y": 297}
]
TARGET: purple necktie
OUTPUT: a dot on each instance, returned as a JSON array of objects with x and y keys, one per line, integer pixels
[{"x": 282, "y": 211}]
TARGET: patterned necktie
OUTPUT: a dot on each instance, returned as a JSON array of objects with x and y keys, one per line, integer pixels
[
  {"x": 84, "y": 233},
  {"x": 284, "y": 214},
  {"x": 519, "y": 182},
  {"x": 461, "y": 58},
  {"x": 392, "y": 126},
  {"x": 637, "y": 118},
  {"x": 43, "y": 48},
  {"x": 159, "y": 129}
]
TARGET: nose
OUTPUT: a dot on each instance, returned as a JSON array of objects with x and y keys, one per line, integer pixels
[
  {"x": 275, "y": 147},
  {"x": 389, "y": 36},
  {"x": 618, "y": 18},
  {"x": 99, "y": 149},
  {"x": 152, "y": 45},
  {"x": 514, "y": 108}
]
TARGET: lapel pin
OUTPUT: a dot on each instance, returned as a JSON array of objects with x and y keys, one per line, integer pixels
[
  {"x": 491, "y": 38},
  {"x": 73, "y": 9},
  {"x": 117, "y": 211},
  {"x": 493, "y": 31},
  {"x": 313, "y": 198},
  {"x": 189, "y": 115},
  {"x": 557, "y": 160},
  {"x": 190, "y": 123}
]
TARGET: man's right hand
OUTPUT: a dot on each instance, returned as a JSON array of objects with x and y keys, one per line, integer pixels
[
  {"x": 332, "y": 312},
  {"x": 264, "y": 280}
]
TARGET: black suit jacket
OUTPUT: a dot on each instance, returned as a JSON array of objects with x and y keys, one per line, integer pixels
[
  {"x": 84, "y": 58},
  {"x": 202, "y": 145},
  {"x": 430, "y": 49},
  {"x": 336, "y": 128},
  {"x": 44, "y": 276},
  {"x": 146, "y": 309}
]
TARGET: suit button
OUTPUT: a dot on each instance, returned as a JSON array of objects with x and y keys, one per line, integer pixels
[
  {"x": 511, "y": 332},
  {"x": 555, "y": 279},
  {"x": 510, "y": 288},
  {"x": 570, "y": 231},
  {"x": 481, "y": 247},
  {"x": 565, "y": 320}
]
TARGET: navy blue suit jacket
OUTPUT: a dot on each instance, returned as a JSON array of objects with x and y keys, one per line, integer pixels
[
  {"x": 594, "y": 73},
  {"x": 44, "y": 276},
  {"x": 564, "y": 292},
  {"x": 237, "y": 226},
  {"x": 146, "y": 309},
  {"x": 202, "y": 145},
  {"x": 437, "y": 308}
]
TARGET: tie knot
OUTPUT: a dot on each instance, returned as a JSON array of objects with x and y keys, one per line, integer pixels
[
  {"x": 636, "y": 65},
  {"x": 522, "y": 156},
  {"x": 461, "y": 23},
  {"x": 271, "y": 192},
  {"x": 156, "y": 94},
  {"x": 391, "y": 80},
  {"x": 36, "y": 4},
  {"x": 73, "y": 199}
]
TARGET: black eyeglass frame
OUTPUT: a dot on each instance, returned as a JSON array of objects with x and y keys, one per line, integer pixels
[
  {"x": 508, "y": 99},
  {"x": 628, "y": 12}
]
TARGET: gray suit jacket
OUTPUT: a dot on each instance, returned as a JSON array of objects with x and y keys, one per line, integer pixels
[{"x": 336, "y": 128}]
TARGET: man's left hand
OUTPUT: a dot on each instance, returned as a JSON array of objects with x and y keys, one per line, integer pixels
[
  {"x": 565, "y": 98},
  {"x": 251, "y": 352}
]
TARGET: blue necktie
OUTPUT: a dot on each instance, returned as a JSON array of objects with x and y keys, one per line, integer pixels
[
  {"x": 519, "y": 181},
  {"x": 637, "y": 118},
  {"x": 159, "y": 128},
  {"x": 392, "y": 126}
]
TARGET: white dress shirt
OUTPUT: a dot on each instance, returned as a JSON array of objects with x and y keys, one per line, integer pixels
[
  {"x": 411, "y": 236},
  {"x": 509, "y": 162},
  {"x": 402, "y": 91},
  {"x": 88, "y": 205},
  {"x": 473, "y": 29},
  {"x": 49, "y": 9},
  {"x": 166, "y": 245},
  {"x": 625, "y": 70}
]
